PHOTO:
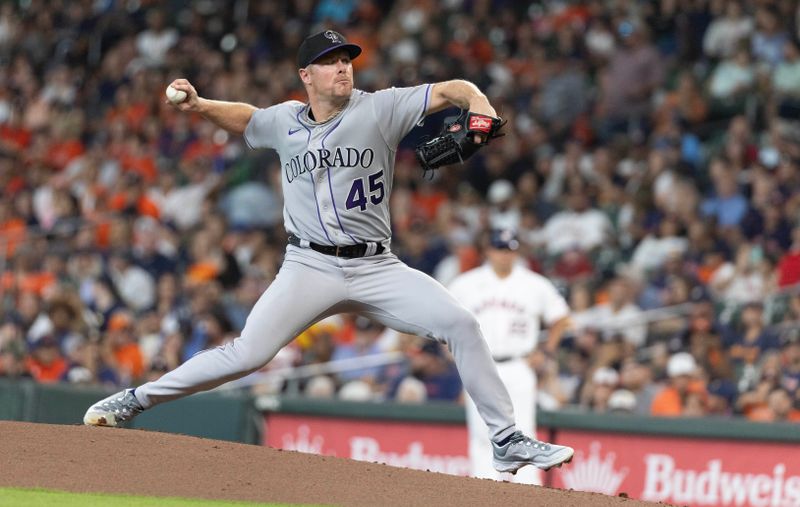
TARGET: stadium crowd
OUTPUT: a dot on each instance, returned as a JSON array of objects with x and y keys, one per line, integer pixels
[{"x": 650, "y": 167}]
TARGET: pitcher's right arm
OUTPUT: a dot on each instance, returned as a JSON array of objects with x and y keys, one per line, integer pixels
[{"x": 231, "y": 116}]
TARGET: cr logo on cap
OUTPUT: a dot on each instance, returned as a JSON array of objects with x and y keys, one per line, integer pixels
[{"x": 333, "y": 36}]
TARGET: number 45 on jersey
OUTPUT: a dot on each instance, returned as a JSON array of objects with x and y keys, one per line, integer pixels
[{"x": 359, "y": 192}]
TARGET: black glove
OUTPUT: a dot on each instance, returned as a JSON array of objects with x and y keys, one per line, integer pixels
[{"x": 456, "y": 142}]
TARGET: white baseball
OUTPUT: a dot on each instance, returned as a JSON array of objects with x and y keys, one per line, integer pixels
[{"x": 174, "y": 95}]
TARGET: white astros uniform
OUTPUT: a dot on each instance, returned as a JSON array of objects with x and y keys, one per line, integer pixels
[
  {"x": 336, "y": 181},
  {"x": 510, "y": 311}
]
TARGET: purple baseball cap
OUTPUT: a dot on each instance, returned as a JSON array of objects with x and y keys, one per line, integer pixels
[{"x": 322, "y": 43}]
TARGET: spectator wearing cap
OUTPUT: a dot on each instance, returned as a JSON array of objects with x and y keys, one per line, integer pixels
[
  {"x": 504, "y": 211},
  {"x": 622, "y": 401},
  {"x": 320, "y": 387},
  {"x": 683, "y": 390},
  {"x": 411, "y": 390}
]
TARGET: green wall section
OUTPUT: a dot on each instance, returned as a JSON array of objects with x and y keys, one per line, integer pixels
[
  {"x": 237, "y": 417},
  {"x": 221, "y": 416}
]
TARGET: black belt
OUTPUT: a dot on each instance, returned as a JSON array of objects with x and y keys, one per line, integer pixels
[{"x": 347, "y": 251}]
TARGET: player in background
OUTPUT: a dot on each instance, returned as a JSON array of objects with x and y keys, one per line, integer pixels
[
  {"x": 511, "y": 302},
  {"x": 337, "y": 156}
]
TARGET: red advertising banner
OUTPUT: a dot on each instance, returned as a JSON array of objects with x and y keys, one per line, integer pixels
[
  {"x": 683, "y": 471},
  {"x": 422, "y": 446},
  {"x": 679, "y": 471}
]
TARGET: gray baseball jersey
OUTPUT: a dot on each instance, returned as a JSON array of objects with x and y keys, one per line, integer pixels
[
  {"x": 337, "y": 175},
  {"x": 336, "y": 178}
]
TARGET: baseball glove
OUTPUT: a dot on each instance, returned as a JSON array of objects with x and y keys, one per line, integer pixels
[{"x": 456, "y": 141}]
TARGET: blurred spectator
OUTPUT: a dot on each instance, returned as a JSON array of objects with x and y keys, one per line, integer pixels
[
  {"x": 622, "y": 401},
  {"x": 321, "y": 386},
  {"x": 790, "y": 359},
  {"x": 411, "y": 390},
  {"x": 634, "y": 72},
  {"x": 722, "y": 396},
  {"x": 154, "y": 43},
  {"x": 581, "y": 226},
  {"x": 789, "y": 264},
  {"x": 654, "y": 249},
  {"x": 779, "y": 408},
  {"x": 46, "y": 364},
  {"x": 769, "y": 37},
  {"x": 620, "y": 316},
  {"x": 435, "y": 370},
  {"x": 504, "y": 212},
  {"x": 728, "y": 206},
  {"x": 751, "y": 338},
  {"x": 356, "y": 390},
  {"x": 732, "y": 78},
  {"x": 636, "y": 377},
  {"x": 725, "y": 32},
  {"x": 135, "y": 286},
  {"x": 364, "y": 344},
  {"x": 122, "y": 348},
  {"x": 684, "y": 394},
  {"x": 597, "y": 392}
]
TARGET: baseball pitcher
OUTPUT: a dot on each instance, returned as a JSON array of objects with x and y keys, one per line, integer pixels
[
  {"x": 337, "y": 161},
  {"x": 510, "y": 302}
]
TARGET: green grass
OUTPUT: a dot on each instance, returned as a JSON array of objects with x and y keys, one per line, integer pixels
[{"x": 17, "y": 497}]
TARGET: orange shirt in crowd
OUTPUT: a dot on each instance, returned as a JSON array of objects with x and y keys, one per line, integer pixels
[
  {"x": 62, "y": 153},
  {"x": 46, "y": 373},
  {"x": 763, "y": 413},
  {"x": 668, "y": 402},
  {"x": 129, "y": 358},
  {"x": 12, "y": 233}
]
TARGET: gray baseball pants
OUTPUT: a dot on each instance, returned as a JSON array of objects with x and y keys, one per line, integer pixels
[{"x": 311, "y": 286}]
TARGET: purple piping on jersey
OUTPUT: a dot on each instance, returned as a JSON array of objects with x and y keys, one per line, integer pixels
[
  {"x": 313, "y": 188},
  {"x": 330, "y": 186},
  {"x": 425, "y": 104}
]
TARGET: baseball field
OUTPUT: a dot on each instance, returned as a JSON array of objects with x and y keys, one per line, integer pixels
[{"x": 43, "y": 464}]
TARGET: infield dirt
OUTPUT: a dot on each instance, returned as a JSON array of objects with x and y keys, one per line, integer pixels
[{"x": 110, "y": 460}]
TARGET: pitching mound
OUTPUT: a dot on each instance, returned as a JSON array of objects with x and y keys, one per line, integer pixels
[{"x": 107, "y": 460}]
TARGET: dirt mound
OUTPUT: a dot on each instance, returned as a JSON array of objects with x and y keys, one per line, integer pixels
[{"x": 88, "y": 459}]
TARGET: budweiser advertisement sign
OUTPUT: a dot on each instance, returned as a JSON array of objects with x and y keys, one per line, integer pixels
[
  {"x": 683, "y": 471},
  {"x": 422, "y": 446},
  {"x": 673, "y": 470}
]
